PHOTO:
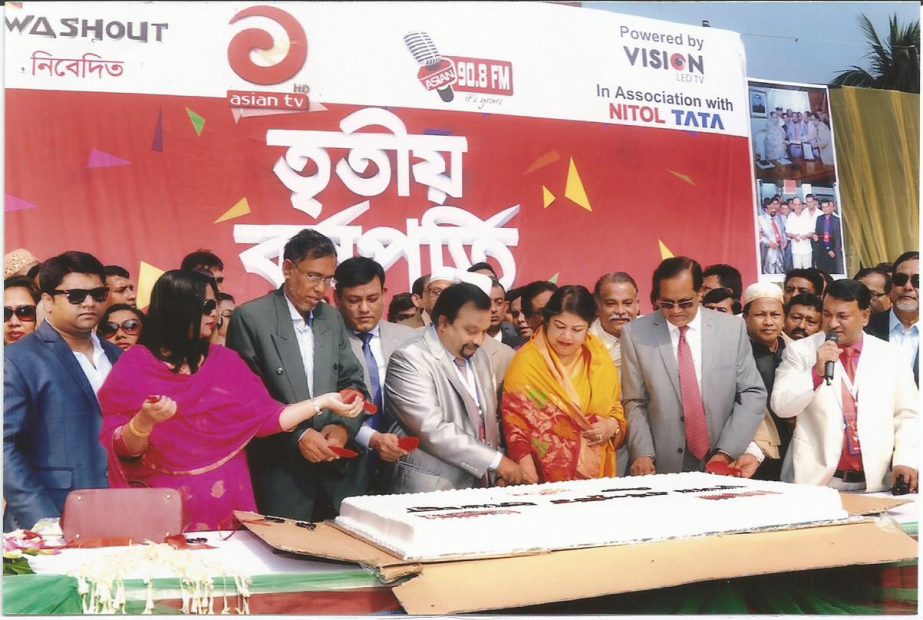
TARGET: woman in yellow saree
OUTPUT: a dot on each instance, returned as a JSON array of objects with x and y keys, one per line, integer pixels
[{"x": 562, "y": 413}]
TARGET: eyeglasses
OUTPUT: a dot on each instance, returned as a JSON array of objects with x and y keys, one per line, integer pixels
[
  {"x": 900, "y": 279},
  {"x": 209, "y": 306},
  {"x": 684, "y": 304},
  {"x": 77, "y": 296},
  {"x": 23, "y": 313},
  {"x": 131, "y": 327},
  {"x": 315, "y": 278}
]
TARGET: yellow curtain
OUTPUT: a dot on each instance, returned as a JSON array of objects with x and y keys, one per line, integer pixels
[{"x": 876, "y": 134}]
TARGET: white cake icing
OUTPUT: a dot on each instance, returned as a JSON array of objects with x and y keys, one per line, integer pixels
[{"x": 581, "y": 513}]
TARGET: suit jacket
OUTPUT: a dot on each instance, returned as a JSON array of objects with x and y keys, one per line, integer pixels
[
  {"x": 500, "y": 356},
  {"x": 510, "y": 337},
  {"x": 824, "y": 262},
  {"x": 261, "y": 331},
  {"x": 426, "y": 399},
  {"x": 879, "y": 327},
  {"x": 51, "y": 426},
  {"x": 732, "y": 390},
  {"x": 393, "y": 335},
  {"x": 888, "y": 403}
]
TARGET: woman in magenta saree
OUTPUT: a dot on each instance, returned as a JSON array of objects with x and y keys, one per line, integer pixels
[{"x": 181, "y": 419}]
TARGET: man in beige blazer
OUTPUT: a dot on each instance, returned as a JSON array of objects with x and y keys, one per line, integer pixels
[
  {"x": 440, "y": 388},
  {"x": 860, "y": 431}
]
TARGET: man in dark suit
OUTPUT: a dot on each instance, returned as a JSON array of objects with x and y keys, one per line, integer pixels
[
  {"x": 51, "y": 418},
  {"x": 899, "y": 325},
  {"x": 360, "y": 298},
  {"x": 299, "y": 346},
  {"x": 689, "y": 383},
  {"x": 829, "y": 238}
]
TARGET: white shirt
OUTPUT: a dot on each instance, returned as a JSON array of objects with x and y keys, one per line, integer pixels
[
  {"x": 97, "y": 370},
  {"x": 305, "y": 335},
  {"x": 907, "y": 339},
  {"x": 366, "y": 432},
  {"x": 694, "y": 339},
  {"x": 611, "y": 342},
  {"x": 498, "y": 336},
  {"x": 469, "y": 380},
  {"x": 802, "y": 225}
]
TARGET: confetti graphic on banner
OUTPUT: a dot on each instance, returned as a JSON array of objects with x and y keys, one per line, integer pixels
[
  {"x": 574, "y": 189},
  {"x": 241, "y": 209},
  {"x": 101, "y": 159},
  {"x": 12, "y": 203},
  {"x": 198, "y": 123},
  {"x": 665, "y": 252},
  {"x": 147, "y": 276},
  {"x": 680, "y": 175},
  {"x": 554, "y": 279},
  {"x": 546, "y": 159},
  {"x": 547, "y": 197},
  {"x": 157, "y": 143}
]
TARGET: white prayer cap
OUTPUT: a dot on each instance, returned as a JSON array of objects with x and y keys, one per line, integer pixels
[
  {"x": 478, "y": 279},
  {"x": 444, "y": 273},
  {"x": 763, "y": 290}
]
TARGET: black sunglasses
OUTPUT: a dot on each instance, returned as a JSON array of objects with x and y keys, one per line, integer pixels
[
  {"x": 209, "y": 306},
  {"x": 131, "y": 327},
  {"x": 24, "y": 313},
  {"x": 900, "y": 279},
  {"x": 76, "y": 296}
]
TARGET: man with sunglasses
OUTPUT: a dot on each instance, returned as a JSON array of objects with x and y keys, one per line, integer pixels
[
  {"x": 900, "y": 324},
  {"x": 52, "y": 419},
  {"x": 690, "y": 386},
  {"x": 299, "y": 346}
]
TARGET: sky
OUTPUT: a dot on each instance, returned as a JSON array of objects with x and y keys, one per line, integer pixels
[{"x": 807, "y": 42}]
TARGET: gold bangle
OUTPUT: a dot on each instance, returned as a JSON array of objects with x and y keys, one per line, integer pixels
[{"x": 136, "y": 432}]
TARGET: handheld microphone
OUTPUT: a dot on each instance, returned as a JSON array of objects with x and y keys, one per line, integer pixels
[
  {"x": 436, "y": 73},
  {"x": 829, "y": 366}
]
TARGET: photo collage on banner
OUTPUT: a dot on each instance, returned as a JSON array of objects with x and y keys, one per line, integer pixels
[{"x": 798, "y": 211}]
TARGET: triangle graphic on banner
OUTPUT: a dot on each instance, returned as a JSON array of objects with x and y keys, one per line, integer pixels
[
  {"x": 12, "y": 203},
  {"x": 239, "y": 210},
  {"x": 554, "y": 279},
  {"x": 665, "y": 252},
  {"x": 680, "y": 175},
  {"x": 574, "y": 189},
  {"x": 547, "y": 197},
  {"x": 101, "y": 159},
  {"x": 198, "y": 123},
  {"x": 147, "y": 276},
  {"x": 544, "y": 160}
]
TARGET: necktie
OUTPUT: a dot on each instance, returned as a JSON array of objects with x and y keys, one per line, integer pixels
[
  {"x": 374, "y": 379},
  {"x": 849, "y": 358},
  {"x": 693, "y": 409}
]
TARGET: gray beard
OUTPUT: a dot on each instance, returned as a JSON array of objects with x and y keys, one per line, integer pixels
[{"x": 908, "y": 306}]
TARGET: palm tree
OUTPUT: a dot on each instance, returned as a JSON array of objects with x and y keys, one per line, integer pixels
[{"x": 895, "y": 63}]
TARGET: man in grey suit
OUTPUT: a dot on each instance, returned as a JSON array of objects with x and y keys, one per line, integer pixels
[
  {"x": 360, "y": 298},
  {"x": 300, "y": 347},
  {"x": 690, "y": 386},
  {"x": 440, "y": 388}
]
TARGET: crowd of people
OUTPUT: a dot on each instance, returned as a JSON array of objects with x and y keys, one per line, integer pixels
[
  {"x": 796, "y": 235},
  {"x": 289, "y": 403},
  {"x": 794, "y": 137}
]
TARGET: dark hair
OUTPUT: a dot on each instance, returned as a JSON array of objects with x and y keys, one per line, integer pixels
[
  {"x": 870, "y": 271},
  {"x": 575, "y": 299},
  {"x": 308, "y": 243},
  {"x": 33, "y": 271},
  {"x": 482, "y": 265},
  {"x": 906, "y": 256},
  {"x": 454, "y": 297},
  {"x": 672, "y": 267},
  {"x": 116, "y": 307},
  {"x": 494, "y": 283},
  {"x": 400, "y": 303},
  {"x": 419, "y": 285},
  {"x": 117, "y": 271},
  {"x": 174, "y": 318},
  {"x": 811, "y": 275},
  {"x": 828, "y": 280},
  {"x": 531, "y": 291},
  {"x": 850, "y": 290},
  {"x": 54, "y": 269},
  {"x": 357, "y": 271},
  {"x": 805, "y": 299},
  {"x": 806, "y": 196},
  {"x": 225, "y": 297},
  {"x": 513, "y": 294},
  {"x": 728, "y": 276},
  {"x": 615, "y": 277},
  {"x": 201, "y": 259},
  {"x": 717, "y": 295},
  {"x": 885, "y": 266},
  {"x": 23, "y": 282}
]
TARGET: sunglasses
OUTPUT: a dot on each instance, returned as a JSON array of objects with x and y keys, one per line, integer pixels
[
  {"x": 131, "y": 327},
  {"x": 209, "y": 306},
  {"x": 76, "y": 296},
  {"x": 900, "y": 279},
  {"x": 23, "y": 313},
  {"x": 669, "y": 305}
]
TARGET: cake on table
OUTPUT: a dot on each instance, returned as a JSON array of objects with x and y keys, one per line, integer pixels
[{"x": 582, "y": 513}]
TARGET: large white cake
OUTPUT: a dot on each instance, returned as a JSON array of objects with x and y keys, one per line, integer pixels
[{"x": 581, "y": 513}]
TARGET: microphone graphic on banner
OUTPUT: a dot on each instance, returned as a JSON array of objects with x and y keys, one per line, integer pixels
[
  {"x": 828, "y": 367},
  {"x": 436, "y": 73}
]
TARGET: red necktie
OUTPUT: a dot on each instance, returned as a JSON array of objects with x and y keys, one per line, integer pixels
[{"x": 693, "y": 408}]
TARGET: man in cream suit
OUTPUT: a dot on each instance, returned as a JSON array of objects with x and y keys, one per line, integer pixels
[
  {"x": 860, "y": 431},
  {"x": 360, "y": 298},
  {"x": 440, "y": 388},
  {"x": 689, "y": 383}
]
